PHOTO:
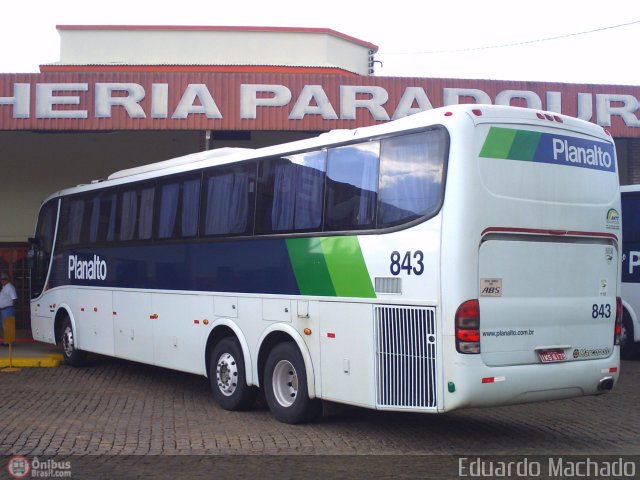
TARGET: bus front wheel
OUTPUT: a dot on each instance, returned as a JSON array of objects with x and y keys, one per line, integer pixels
[
  {"x": 286, "y": 388},
  {"x": 228, "y": 378},
  {"x": 72, "y": 356}
]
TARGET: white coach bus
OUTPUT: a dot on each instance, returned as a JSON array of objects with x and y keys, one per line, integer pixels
[{"x": 460, "y": 257}]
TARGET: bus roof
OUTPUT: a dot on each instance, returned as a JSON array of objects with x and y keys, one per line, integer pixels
[{"x": 440, "y": 116}]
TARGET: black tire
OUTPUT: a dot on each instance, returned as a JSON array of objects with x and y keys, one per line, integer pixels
[
  {"x": 628, "y": 348},
  {"x": 286, "y": 388},
  {"x": 227, "y": 375},
  {"x": 72, "y": 356}
]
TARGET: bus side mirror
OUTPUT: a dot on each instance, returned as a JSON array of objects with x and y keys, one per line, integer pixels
[{"x": 32, "y": 253}]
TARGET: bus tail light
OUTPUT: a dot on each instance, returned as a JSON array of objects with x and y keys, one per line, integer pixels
[
  {"x": 617, "y": 331},
  {"x": 468, "y": 327}
]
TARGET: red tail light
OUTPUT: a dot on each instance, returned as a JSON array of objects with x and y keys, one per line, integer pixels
[
  {"x": 618, "y": 326},
  {"x": 468, "y": 327}
]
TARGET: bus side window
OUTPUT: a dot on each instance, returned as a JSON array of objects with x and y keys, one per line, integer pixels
[
  {"x": 229, "y": 204},
  {"x": 136, "y": 213},
  {"x": 291, "y": 193},
  {"x": 179, "y": 208},
  {"x": 352, "y": 187},
  {"x": 72, "y": 222},
  {"x": 411, "y": 176},
  {"x": 102, "y": 223}
]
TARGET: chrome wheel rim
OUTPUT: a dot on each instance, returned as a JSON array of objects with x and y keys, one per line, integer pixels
[
  {"x": 227, "y": 374},
  {"x": 67, "y": 341},
  {"x": 285, "y": 383}
]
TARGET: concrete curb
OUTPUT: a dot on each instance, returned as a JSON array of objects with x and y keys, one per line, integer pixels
[{"x": 49, "y": 360}]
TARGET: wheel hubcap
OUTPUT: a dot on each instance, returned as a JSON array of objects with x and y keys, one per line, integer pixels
[
  {"x": 285, "y": 383},
  {"x": 623, "y": 334},
  {"x": 67, "y": 341},
  {"x": 227, "y": 374}
]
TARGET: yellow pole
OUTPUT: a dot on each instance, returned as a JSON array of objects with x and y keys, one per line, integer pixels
[{"x": 10, "y": 337}]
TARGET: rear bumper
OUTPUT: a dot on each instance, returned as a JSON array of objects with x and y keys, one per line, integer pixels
[{"x": 481, "y": 386}]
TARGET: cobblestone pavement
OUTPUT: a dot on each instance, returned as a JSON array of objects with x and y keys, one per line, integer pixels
[{"x": 154, "y": 422}]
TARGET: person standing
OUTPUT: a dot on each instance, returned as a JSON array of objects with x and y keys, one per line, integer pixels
[{"x": 8, "y": 296}]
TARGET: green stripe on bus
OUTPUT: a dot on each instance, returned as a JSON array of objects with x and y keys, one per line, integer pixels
[
  {"x": 347, "y": 268},
  {"x": 310, "y": 267},
  {"x": 498, "y": 143},
  {"x": 510, "y": 144},
  {"x": 524, "y": 145}
]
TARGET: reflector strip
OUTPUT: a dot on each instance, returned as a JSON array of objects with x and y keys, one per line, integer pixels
[{"x": 493, "y": 379}]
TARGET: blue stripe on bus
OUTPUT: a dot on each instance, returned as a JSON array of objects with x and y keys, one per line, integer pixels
[
  {"x": 261, "y": 266},
  {"x": 630, "y": 261}
]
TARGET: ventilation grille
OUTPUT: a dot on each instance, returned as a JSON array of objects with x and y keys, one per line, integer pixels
[
  {"x": 388, "y": 285},
  {"x": 406, "y": 357}
]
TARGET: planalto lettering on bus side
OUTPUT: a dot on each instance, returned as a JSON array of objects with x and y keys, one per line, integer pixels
[
  {"x": 592, "y": 156},
  {"x": 93, "y": 269}
]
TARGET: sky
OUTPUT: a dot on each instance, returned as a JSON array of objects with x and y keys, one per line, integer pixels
[{"x": 488, "y": 39}]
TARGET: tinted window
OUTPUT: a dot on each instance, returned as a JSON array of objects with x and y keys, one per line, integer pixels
[
  {"x": 72, "y": 221},
  {"x": 229, "y": 197},
  {"x": 352, "y": 187},
  {"x": 411, "y": 176},
  {"x": 102, "y": 223},
  {"x": 46, "y": 226},
  {"x": 135, "y": 217},
  {"x": 179, "y": 208},
  {"x": 291, "y": 193}
]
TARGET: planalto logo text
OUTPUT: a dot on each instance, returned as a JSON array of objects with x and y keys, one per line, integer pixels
[
  {"x": 94, "y": 269},
  {"x": 594, "y": 156}
]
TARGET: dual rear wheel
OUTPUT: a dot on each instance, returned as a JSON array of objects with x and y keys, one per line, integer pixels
[{"x": 285, "y": 382}]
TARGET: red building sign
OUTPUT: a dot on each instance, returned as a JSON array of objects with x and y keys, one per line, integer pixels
[{"x": 280, "y": 101}]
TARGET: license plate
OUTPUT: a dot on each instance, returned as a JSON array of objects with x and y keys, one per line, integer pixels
[{"x": 549, "y": 356}]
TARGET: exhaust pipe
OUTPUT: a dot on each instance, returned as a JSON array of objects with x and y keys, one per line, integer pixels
[{"x": 605, "y": 384}]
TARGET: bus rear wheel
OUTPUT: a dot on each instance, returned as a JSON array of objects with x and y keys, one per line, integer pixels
[
  {"x": 628, "y": 348},
  {"x": 72, "y": 356},
  {"x": 228, "y": 377},
  {"x": 286, "y": 387}
]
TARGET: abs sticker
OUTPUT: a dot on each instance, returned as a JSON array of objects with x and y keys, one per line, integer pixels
[{"x": 490, "y": 287}]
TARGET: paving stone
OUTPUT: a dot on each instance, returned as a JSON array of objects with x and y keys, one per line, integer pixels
[{"x": 116, "y": 414}]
